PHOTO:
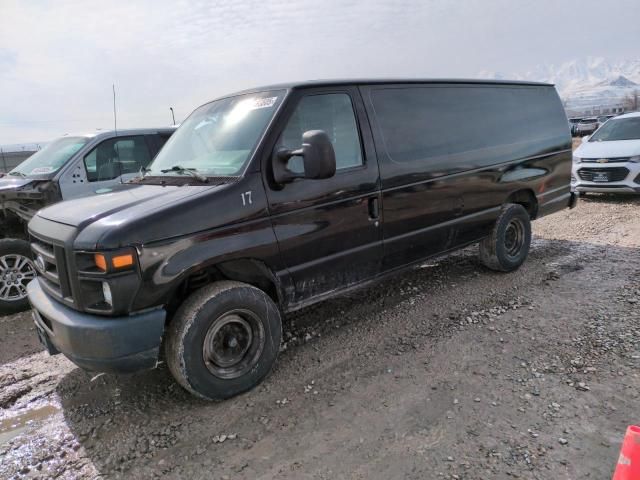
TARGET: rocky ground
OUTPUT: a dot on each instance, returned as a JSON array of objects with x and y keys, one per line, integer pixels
[{"x": 447, "y": 371}]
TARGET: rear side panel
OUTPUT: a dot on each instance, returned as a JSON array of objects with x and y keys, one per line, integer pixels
[{"x": 451, "y": 155}]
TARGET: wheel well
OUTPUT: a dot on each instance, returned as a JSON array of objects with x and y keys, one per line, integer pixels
[
  {"x": 250, "y": 271},
  {"x": 12, "y": 227},
  {"x": 527, "y": 199}
]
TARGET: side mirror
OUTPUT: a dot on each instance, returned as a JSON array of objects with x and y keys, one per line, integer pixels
[
  {"x": 318, "y": 156},
  {"x": 586, "y": 138}
]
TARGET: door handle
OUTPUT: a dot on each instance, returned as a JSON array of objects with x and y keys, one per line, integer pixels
[{"x": 374, "y": 209}]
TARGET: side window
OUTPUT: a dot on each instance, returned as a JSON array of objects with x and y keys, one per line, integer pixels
[
  {"x": 332, "y": 113},
  {"x": 115, "y": 157},
  {"x": 439, "y": 129}
]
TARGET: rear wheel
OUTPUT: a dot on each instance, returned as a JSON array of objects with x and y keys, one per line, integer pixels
[
  {"x": 223, "y": 340},
  {"x": 16, "y": 271},
  {"x": 508, "y": 245}
]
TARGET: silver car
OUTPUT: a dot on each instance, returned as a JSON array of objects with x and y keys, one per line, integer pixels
[{"x": 70, "y": 167}]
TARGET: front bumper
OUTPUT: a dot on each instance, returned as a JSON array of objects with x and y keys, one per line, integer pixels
[
  {"x": 604, "y": 189},
  {"x": 630, "y": 184},
  {"x": 97, "y": 343}
]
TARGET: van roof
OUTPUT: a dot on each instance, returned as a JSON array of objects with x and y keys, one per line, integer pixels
[
  {"x": 379, "y": 81},
  {"x": 121, "y": 132}
]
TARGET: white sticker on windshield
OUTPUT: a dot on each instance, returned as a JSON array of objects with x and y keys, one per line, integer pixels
[
  {"x": 263, "y": 102},
  {"x": 41, "y": 170}
]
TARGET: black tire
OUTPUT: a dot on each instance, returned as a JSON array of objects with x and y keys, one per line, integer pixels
[
  {"x": 508, "y": 245},
  {"x": 582, "y": 194},
  {"x": 223, "y": 322},
  {"x": 14, "y": 275}
]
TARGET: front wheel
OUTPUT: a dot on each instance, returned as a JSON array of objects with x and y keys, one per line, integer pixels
[
  {"x": 16, "y": 271},
  {"x": 508, "y": 245},
  {"x": 223, "y": 340}
]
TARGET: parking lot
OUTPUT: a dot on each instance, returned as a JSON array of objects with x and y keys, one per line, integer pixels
[{"x": 447, "y": 371}]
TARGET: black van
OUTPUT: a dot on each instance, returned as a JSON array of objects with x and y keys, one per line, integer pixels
[{"x": 269, "y": 200}]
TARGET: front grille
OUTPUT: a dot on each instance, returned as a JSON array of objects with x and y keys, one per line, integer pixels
[
  {"x": 51, "y": 267},
  {"x": 606, "y": 160},
  {"x": 616, "y": 174}
]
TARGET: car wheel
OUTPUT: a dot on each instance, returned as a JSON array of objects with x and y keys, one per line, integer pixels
[
  {"x": 507, "y": 247},
  {"x": 223, "y": 340},
  {"x": 16, "y": 271}
]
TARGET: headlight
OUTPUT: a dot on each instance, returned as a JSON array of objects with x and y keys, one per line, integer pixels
[
  {"x": 635, "y": 159},
  {"x": 106, "y": 291},
  {"x": 576, "y": 159}
]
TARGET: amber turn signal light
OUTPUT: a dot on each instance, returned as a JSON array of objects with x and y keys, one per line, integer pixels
[
  {"x": 116, "y": 262},
  {"x": 122, "y": 261},
  {"x": 101, "y": 262}
]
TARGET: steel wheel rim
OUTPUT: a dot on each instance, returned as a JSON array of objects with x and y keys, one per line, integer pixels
[
  {"x": 514, "y": 237},
  {"x": 233, "y": 344},
  {"x": 15, "y": 272}
]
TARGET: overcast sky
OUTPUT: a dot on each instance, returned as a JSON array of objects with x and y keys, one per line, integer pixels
[{"x": 59, "y": 58}]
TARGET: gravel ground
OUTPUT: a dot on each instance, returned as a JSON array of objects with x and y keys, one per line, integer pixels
[{"x": 446, "y": 371}]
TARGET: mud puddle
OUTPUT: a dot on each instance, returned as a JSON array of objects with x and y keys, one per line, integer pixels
[{"x": 12, "y": 427}]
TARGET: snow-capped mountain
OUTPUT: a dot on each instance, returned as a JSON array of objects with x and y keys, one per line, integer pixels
[
  {"x": 586, "y": 84},
  {"x": 576, "y": 74},
  {"x": 621, "y": 81}
]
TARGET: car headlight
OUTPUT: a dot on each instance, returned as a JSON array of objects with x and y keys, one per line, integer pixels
[
  {"x": 635, "y": 159},
  {"x": 576, "y": 159},
  {"x": 108, "y": 280}
]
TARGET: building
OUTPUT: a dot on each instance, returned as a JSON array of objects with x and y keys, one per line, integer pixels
[{"x": 596, "y": 110}]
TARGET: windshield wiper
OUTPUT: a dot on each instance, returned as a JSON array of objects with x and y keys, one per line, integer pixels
[
  {"x": 18, "y": 174},
  {"x": 189, "y": 171}
]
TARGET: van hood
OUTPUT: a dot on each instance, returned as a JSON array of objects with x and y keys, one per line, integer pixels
[
  {"x": 619, "y": 148},
  {"x": 11, "y": 183},
  {"x": 81, "y": 212},
  {"x": 140, "y": 214}
]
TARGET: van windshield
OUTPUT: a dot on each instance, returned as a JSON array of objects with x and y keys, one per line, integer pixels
[
  {"x": 618, "y": 129},
  {"x": 51, "y": 158},
  {"x": 219, "y": 137}
]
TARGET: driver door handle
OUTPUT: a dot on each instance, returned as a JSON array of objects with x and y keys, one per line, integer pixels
[{"x": 374, "y": 209}]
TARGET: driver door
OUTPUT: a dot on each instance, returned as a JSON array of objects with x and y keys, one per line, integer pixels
[
  {"x": 329, "y": 231},
  {"x": 112, "y": 161}
]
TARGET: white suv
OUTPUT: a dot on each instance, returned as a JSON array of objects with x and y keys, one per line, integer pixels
[
  {"x": 586, "y": 126},
  {"x": 609, "y": 160}
]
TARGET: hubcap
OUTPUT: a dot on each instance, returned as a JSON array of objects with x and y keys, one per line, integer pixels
[
  {"x": 15, "y": 272},
  {"x": 514, "y": 237},
  {"x": 233, "y": 344}
]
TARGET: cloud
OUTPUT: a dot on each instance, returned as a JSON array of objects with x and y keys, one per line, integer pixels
[
  {"x": 59, "y": 58},
  {"x": 7, "y": 60}
]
